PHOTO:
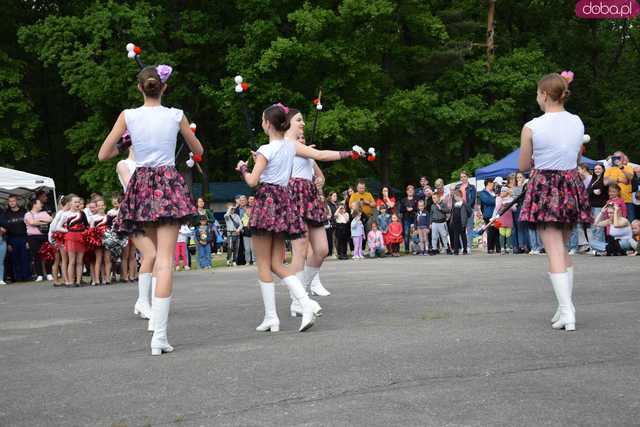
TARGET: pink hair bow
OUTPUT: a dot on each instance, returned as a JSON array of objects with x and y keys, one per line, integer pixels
[
  {"x": 284, "y": 107},
  {"x": 567, "y": 75},
  {"x": 164, "y": 71}
]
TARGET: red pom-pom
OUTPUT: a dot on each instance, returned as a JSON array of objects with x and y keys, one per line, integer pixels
[
  {"x": 354, "y": 155},
  {"x": 58, "y": 238},
  {"x": 245, "y": 86},
  {"x": 137, "y": 50},
  {"x": 497, "y": 224},
  {"x": 93, "y": 237},
  {"x": 316, "y": 101},
  {"x": 47, "y": 252},
  {"x": 371, "y": 158},
  {"x": 197, "y": 158}
]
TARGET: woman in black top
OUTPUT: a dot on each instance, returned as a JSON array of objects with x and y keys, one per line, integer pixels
[
  {"x": 332, "y": 205},
  {"x": 598, "y": 196}
]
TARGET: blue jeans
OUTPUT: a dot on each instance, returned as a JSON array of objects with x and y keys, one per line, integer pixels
[
  {"x": 470, "y": 224},
  {"x": 520, "y": 236},
  {"x": 406, "y": 226},
  {"x": 3, "y": 253},
  {"x": 596, "y": 233},
  {"x": 534, "y": 239},
  {"x": 573, "y": 239},
  {"x": 20, "y": 259},
  {"x": 631, "y": 211},
  {"x": 204, "y": 255},
  {"x": 625, "y": 245}
]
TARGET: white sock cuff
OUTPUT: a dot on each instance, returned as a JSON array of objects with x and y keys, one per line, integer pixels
[{"x": 311, "y": 271}]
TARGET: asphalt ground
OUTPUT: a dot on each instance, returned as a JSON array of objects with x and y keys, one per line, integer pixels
[{"x": 419, "y": 341}]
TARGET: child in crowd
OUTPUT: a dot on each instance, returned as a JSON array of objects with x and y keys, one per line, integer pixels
[
  {"x": 357, "y": 232},
  {"x": 234, "y": 227},
  {"x": 395, "y": 233},
  {"x": 415, "y": 240},
  {"x": 203, "y": 243},
  {"x": 382, "y": 220},
  {"x": 506, "y": 219},
  {"x": 615, "y": 199},
  {"x": 342, "y": 231},
  {"x": 422, "y": 222},
  {"x": 375, "y": 241},
  {"x": 460, "y": 212},
  {"x": 635, "y": 231},
  {"x": 439, "y": 233},
  {"x": 181, "y": 247}
]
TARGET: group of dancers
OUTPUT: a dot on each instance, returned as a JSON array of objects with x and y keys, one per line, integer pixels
[{"x": 288, "y": 203}]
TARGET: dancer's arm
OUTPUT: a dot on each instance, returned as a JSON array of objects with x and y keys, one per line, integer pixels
[
  {"x": 321, "y": 155},
  {"x": 123, "y": 172},
  {"x": 109, "y": 150},
  {"x": 194, "y": 143},
  {"x": 252, "y": 179},
  {"x": 526, "y": 149}
]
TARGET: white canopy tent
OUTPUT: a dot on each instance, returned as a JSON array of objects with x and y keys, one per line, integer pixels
[{"x": 22, "y": 184}]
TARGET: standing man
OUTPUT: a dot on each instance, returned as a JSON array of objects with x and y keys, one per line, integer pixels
[
  {"x": 469, "y": 198},
  {"x": 368, "y": 203},
  {"x": 621, "y": 173},
  {"x": 488, "y": 205},
  {"x": 408, "y": 207},
  {"x": 17, "y": 240},
  {"x": 249, "y": 256},
  {"x": 424, "y": 184}
]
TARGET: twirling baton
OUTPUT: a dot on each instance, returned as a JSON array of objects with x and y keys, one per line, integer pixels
[
  {"x": 133, "y": 52},
  {"x": 241, "y": 88},
  {"x": 318, "y": 103}
]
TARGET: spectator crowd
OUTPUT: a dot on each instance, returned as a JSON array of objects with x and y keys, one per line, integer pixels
[{"x": 36, "y": 240}]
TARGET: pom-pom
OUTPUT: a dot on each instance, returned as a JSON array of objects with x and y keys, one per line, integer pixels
[
  {"x": 586, "y": 138},
  {"x": 354, "y": 155},
  {"x": 47, "y": 252},
  {"x": 238, "y": 79},
  {"x": 244, "y": 86},
  {"x": 372, "y": 154},
  {"x": 130, "y": 47},
  {"x": 567, "y": 75},
  {"x": 58, "y": 238},
  {"x": 316, "y": 101},
  {"x": 190, "y": 163},
  {"x": 193, "y": 127},
  {"x": 359, "y": 150},
  {"x": 239, "y": 88},
  {"x": 93, "y": 237},
  {"x": 197, "y": 158},
  {"x": 164, "y": 71},
  {"x": 319, "y": 107},
  {"x": 137, "y": 50},
  {"x": 497, "y": 223},
  {"x": 131, "y": 54}
]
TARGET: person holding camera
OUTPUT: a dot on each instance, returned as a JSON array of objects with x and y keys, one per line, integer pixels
[
  {"x": 621, "y": 173},
  {"x": 234, "y": 228},
  {"x": 620, "y": 237}
]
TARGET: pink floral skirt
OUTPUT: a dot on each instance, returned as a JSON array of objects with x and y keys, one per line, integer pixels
[
  {"x": 275, "y": 212},
  {"x": 555, "y": 197},
  {"x": 306, "y": 197},
  {"x": 154, "y": 196}
]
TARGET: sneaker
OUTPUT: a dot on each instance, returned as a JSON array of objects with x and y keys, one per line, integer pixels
[
  {"x": 532, "y": 252},
  {"x": 572, "y": 252},
  {"x": 228, "y": 263},
  {"x": 2, "y": 282},
  {"x": 186, "y": 267},
  {"x": 39, "y": 279},
  {"x": 49, "y": 277}
]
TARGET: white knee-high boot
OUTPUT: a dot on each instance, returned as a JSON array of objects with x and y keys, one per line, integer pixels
[
  {"x": 296, "y": 308},
  {"x": 159, "y": 341},
  {"x": 153, "y": 294},
  {"x": 561, "y": 287},
  {"x": 296, "y": 288},
  {"x": 142, "y": 307},
  {"x": 271, "y": 321},
  {"x": 556, "y": 316},
  {"x": 316, "y": 285}
]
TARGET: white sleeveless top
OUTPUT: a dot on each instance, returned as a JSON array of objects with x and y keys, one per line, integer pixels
[
  {"x": 279, "y": 155},
  {"x": 303, "y": 168},
  {"x": 557, "y": 138},
  {"x": 131, "y": 165},
  {"x": 153, "y": 131}
]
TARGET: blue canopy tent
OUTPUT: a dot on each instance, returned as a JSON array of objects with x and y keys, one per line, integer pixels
[{"x": 509, "y": 164}]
